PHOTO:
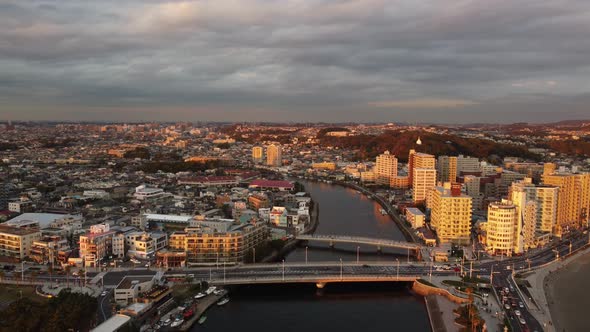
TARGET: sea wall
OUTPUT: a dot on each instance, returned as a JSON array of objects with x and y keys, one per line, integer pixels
[{"x": 425, "y": 290}]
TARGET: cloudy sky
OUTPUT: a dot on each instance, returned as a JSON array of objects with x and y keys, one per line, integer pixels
[{"x": 295, "y": 60}]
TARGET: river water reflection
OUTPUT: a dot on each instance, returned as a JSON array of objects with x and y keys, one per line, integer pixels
[{"x": 348, "y": 307}]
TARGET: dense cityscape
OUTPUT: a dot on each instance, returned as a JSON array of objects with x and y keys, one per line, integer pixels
[
  {"x": 294, "y": 165},
  {"x": 146, "y": 225}
]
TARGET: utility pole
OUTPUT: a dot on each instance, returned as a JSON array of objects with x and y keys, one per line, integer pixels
[
  {"x": 283, "y": 270},
  {"x": 409, "y": 255},
  {"x": 224, "y": 272},
  {"x": 470, "y": 269},
  {"x": 341, "y": 268},
  {"x": 358, "y": 254},
  {"x": 305, "y": 254},
  {"x": 397, "y": 277},
  {"x": 253, "y": 255},
  {"x": 430, "y": 274}
]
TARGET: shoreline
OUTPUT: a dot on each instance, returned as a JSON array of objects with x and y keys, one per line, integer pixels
[{"x": 565, "y": 298}]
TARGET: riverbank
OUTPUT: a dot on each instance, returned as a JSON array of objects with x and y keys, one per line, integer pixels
[
  {"x": 290, "y": 245},
  {"x": 406, "y": 231},
  {"x": 566, "y": 296}
]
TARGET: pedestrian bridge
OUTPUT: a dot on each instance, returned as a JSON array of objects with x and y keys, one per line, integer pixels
[{"x": 379, "y": 243}]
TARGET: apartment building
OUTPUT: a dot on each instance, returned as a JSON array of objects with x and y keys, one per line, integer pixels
[
  {"x": 502, "y": 229},
  {"x": 385, "y": 168},
  {"x": 218, "y": 241},
  {"x": 447, "y": 169},
  {"x": 451, "y": 214},
  {"x": 274, "y": 155},
  {"x": 424, "y": 181},
  {"x": 573, "y": 199},
  {"x": 16, "y": 243}
]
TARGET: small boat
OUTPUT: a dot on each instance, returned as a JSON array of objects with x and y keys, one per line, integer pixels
[
  {"x": 210, "y": 290},
  {"x": 223, "y": 301},
  {"x": 177, "y": 322},
  {"x": 200, "y": 295},
  {"x": 202, "y": 319}
]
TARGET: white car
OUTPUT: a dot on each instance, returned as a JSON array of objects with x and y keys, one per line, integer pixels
[
  {"x": 522, "y": 321},
  {"x": 517, "y": 312}
]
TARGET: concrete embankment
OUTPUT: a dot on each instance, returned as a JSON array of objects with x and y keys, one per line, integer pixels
[
  {"x": 439, "y": 305},
  {"x": 200, "y": 309},
  {"x": 425, "y": 290}
]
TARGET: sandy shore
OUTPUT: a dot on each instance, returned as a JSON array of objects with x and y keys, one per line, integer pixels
[{"x": 568, "y": 295}]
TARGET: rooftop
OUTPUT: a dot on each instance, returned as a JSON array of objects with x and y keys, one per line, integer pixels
[
  {"x": 16, "y": 231},
  {"x": 112, "y": 324}
]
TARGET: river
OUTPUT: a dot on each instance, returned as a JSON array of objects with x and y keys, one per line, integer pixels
[{"x": 343, "y": 308}]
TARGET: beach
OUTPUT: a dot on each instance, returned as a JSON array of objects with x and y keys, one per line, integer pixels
[{"x": 568, "y": 295}]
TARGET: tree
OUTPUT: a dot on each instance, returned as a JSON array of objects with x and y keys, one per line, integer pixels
[{"x": 67, "y": 270}]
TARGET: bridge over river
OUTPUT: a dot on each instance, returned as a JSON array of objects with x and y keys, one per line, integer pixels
[{"x": 379, "y": 243}]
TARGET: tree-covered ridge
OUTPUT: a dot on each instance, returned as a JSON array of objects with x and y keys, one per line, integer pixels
[{"x": 68, "y": 311}]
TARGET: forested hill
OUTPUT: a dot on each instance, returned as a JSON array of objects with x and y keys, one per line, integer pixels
[{"x": 399, "y": 143}]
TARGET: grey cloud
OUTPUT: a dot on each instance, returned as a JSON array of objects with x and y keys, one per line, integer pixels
[{"x": 305, "y": 59}]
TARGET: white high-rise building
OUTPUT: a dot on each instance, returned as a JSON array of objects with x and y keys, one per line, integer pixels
[{"x": 502, "y": 228}]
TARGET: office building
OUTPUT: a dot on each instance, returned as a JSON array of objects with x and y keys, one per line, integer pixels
[
  {"x": 447, "y": 169},
  {"x": 257, "y": 154},
  {"x": 502, "y": 227},
  {"x": 385, "y": 168},
  {"x": 274, "y": 155},
  {"x": 451, "y": 214}
]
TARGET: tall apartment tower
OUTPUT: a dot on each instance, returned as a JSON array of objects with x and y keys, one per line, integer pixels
[
  {"x": 274, "y": 155},
  {"x": 573, "y": 199},
  {"x": 447, "y": 169},
  {"x": 423, "y": 183},
  {"x": 419, "y": 160},
  {"x": 451, "y": 214},
  {"x": 545, "y": 200},
  {"x": 385, "y": 168},
  {"x": 257, "y": 154},
  {"x": 502, "y": 228}
]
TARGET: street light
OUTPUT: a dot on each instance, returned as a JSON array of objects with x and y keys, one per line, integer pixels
[
  {"x": 409, "y": 255},
  {"x": 224, "y": 272},
  {"x": 340, "y": 269},
  {"x": 283, "y": 270},
  {"x": 358, "y": 248},
  {"x": 397, "y": 276},
  {"x": 253, "y": 255},
  {"x": 305, "y": 254}
]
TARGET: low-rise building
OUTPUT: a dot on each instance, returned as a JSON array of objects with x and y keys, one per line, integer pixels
[
  {"x": 415, "y": 217},
  {"x": 16, "y": 243}
]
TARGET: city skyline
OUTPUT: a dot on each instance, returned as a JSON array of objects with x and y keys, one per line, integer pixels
[{"x": 295, "y": 61}]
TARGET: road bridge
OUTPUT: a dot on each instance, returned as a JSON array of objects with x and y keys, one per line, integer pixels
[{"x": 379, "y": 243}]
